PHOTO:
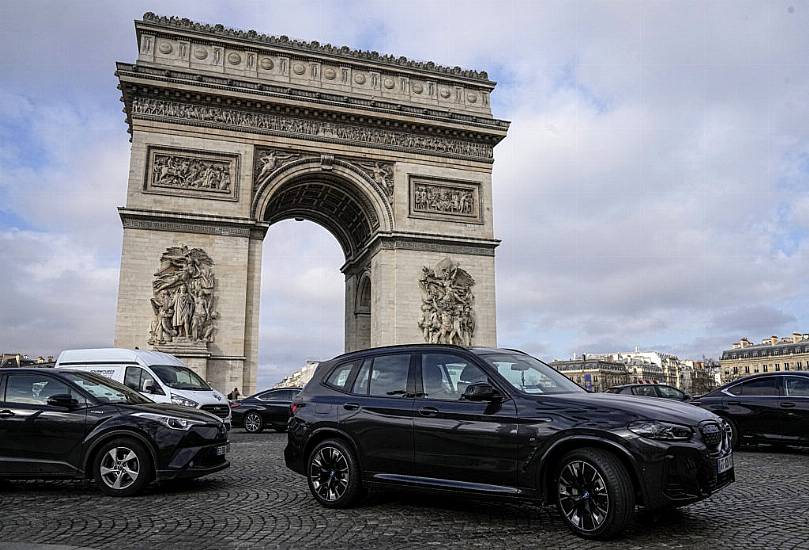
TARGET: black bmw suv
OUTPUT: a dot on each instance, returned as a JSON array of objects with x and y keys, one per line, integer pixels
[
  {"x": 499, "y": 422},
  {"x": 70, "y": 424}
]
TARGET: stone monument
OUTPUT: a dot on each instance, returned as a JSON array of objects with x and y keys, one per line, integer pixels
[{"x": 235, "y": 130}]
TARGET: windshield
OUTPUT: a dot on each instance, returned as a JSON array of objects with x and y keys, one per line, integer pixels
[
  {"x": 180, "y": 378},
  {"x": 105, "y": 390},
  {"x": 530, "y": 375}
]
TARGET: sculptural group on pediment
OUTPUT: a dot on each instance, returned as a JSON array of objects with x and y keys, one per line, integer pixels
[
  {"x": 183, "y": 297},
  {"x": 447, "y": 310}
]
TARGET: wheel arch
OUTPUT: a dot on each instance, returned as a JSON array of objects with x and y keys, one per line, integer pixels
[
  {"x": 325, "y": 433},
  {"x": 552, "y": 456},
  {"x": 98, "y": 442}
]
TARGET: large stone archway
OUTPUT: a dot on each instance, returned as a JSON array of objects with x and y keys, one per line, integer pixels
[{"x": 233, "y": 131}]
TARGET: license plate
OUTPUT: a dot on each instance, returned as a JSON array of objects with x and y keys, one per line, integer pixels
[
  {"x": 724, "y": 464},
  {"x": 222, "y": 449}
]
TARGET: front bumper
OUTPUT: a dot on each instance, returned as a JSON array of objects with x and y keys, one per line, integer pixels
[{"x": 194, "y": 454}]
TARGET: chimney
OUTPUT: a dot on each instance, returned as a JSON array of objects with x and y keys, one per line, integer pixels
[
  {"x": 796, "y": 337},
  {"x": 773, "y": 340}
]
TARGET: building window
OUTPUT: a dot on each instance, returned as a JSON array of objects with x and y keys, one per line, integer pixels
[
  {"x": 778, "y": 368},
  {"x": 747, "y": 369},
  {"x": 786, "y": 366},
  {"x": 766, "y": 370},
  {"x": 799, "y": 366},
  {"x": 735, "y": 370}
]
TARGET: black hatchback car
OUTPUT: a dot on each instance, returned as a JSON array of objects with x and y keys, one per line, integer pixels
[
  {"x": 651, "y": 390},
  {"x": 764, "y": 408},
  {"x": 69, "y": 424},
  {"x": 500, "y": 423},
  {"x": 269, "y": 408}
]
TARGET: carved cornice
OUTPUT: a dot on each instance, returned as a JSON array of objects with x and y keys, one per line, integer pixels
[
  {"x": 232, "y": 83},
  {"x": 183, "y": 223},
  {"x": 314, "y": 47},
  {"x": 308, "y": 128}
]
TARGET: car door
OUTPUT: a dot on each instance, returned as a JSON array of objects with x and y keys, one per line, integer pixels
[
  {"x": 795, "y": 405},
  {"x": 39, "y": 438},
  {"x": 377, "y": 411},
  {"x": 276, "y": 404},
  {"x": 755, "y": 406},
  {"x": 456, "y": 439}
]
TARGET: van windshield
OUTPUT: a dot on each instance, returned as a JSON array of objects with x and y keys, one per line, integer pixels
[
  {"x": 104, "y": 389},
  {"x": 180, "y": 378}
]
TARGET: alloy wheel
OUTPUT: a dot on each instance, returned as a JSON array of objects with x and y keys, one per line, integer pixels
[
  {"x": 252, "y": 422},
  {"x": 119, "y": 468},
  {"x": 583, "y": 496},
  {"x": 329, "y": 473}
]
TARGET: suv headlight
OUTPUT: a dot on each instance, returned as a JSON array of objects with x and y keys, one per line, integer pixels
[
  {"x": 655, "y": 429},
  {"x": 173, "y": 422},
  {"x": 184, "y": 401}
]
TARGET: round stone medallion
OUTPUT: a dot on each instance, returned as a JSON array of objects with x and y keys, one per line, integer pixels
[
  {"x": 445, "y": 93},
  {"x": 165, "y": 47},
  {"x": 298, "y": 69},
  {"x": 266, "y": 63},
  {"x": 329, "y": 73},
  {"x": 471, "y": 97},
  {"x": 234, "y": 58},
  {"x": 359, "y": 78},
  {"x": 200, "y": 53},
  {"x": 417, "y": 87},
  {"x": 388, "y": 83}
]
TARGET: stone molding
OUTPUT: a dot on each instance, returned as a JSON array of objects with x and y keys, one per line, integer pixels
[
  {"x": 181, "y": 223},
  {"x": 315, "y": 47},
  {"x": 191, "y": 178},
  {"x": 326, "y": 97},
  {"x": 444, "y": 200},
  {"x": 306, "y": 128}
]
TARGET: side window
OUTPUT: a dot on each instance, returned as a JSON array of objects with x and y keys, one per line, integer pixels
[
  {"x": 670, "y": 393},
  {"x": 446, "y": 376},
  {"x": 646, "y": 391},
  {"x": 139, "y": 380},
  {"x": 797, "y": 386},
  {"x": 34, "y": 389},
  {"x": 762, "y": 387},
  {"x": 363, "y": 377},
  {"x": 389, "y": 375},
  {"x": 282, "y": 395},
  {"x": 339, "y": 376}
]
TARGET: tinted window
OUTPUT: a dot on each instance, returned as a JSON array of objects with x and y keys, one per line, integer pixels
[
  {"x": 104, "y": 389},
  {"x": 340, "y": 375},
  {"x": 283, "y": 395},
  {"x": 646, "y": 391},
  {"x": 361, "y": 383},
  {"x": 530, "y": 375},
  {"x": 761, "y": 387},
  {"x": 35, "y": 389},
  {"x": 389, "y": 375},
  {"x": 138, "y": 379},
  {"x": 446, "y": 376},
  {"x": 797, "y": 386},
  {"x": 670, "y": 393}
]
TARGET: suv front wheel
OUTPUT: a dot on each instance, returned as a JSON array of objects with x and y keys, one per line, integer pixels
[
  {"x": 333, "y": 474},
  {"x": 594, "y": 493}
]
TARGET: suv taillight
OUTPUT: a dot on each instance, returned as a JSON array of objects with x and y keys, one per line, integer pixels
[{"x": 294, "y": 407}]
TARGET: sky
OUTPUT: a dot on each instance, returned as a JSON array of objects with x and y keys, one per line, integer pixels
[{"x": 653, "y": 190}]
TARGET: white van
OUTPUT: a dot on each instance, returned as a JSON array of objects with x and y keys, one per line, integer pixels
[{"x": 159, "y": 376}]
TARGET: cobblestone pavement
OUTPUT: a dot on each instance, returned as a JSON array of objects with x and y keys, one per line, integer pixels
[{"x": 258, "y": 503}]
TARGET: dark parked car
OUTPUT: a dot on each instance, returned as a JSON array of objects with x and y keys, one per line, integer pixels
[
  {"x": 69, "y": 424},
  {"x": 651, "y": 390},
  {"x": 764, "y": 408},
  {"x": 500, "y": 423},
  {"x": 269, "y": 408}
]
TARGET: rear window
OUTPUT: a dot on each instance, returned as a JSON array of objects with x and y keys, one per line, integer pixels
[
  {"x": 762, "y": 387},
  {"x": 338, "y": 378}
]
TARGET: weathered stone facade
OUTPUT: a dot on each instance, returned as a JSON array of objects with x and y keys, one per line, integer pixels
[{"x": 233, "y": 131}]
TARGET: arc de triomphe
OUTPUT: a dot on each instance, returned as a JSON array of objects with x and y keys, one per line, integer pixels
[{"x": 233, "y": 131}]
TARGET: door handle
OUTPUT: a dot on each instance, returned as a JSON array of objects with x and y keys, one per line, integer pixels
[
  {"x": 6, "y": 413},
  {"x": 787, "y": 405},
  {"x": 351, "y": 406},
  {"x": 428, "y": 411}
]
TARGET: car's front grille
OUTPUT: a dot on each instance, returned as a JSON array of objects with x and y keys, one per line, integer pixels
[
  {"x": 222, "y": 411},
  {"x": 712, "y": 434}
]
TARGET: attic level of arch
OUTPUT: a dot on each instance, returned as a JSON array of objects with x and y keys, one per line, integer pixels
[{"x": 149, "y": 82}]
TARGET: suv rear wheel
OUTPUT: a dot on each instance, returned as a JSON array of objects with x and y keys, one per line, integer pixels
[
  {"x": 122, "y": 467},
  {"x": 333, "y": 474},
  {"x": 594, "y": 493}
]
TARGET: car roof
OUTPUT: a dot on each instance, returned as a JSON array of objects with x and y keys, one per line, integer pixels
[
  {"x": 478, "y": 350},
  {"x": 117, "y": 355}
]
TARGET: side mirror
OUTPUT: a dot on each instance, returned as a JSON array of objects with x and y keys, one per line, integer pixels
[
  {"x": 63, "y": 400},
  {"x": 154, "y": 390},
  {"x": 480, "y": 392},
  {"x": 686, "y": 397}
]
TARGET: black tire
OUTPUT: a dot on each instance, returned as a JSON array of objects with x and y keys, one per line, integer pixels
[
  {"x": 333, "y": 474},
  {"x": 122, "y": 467},
  {"x": 253, "y": 423},
  {"x": 593, "y": 493}
]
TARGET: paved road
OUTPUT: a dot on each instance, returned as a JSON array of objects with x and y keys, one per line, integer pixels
[{"x": 258, "y": 503}]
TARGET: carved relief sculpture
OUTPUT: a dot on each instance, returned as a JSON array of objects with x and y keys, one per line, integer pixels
[
  {"x": 183, "y": 298},
  {"x": 179, "y": 172},
  {"x": 444, "y": 200},
  {"x": 268, "y": 162},
  {"x": 382, "y": 174},
  {"x": 447, "y": 310}
]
